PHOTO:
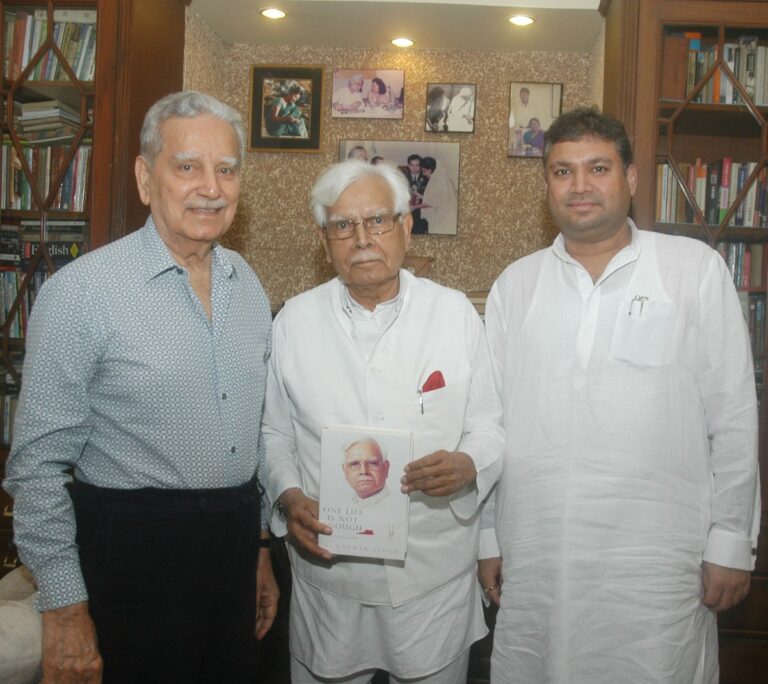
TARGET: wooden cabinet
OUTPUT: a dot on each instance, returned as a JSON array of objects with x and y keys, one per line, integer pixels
[
  {"x": 77, "y": 78},
  {"x": 690, "y": 80}
]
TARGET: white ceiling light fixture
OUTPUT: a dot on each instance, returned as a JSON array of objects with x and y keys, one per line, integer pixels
[
  {"x": 521, "y": 20},
  {"x": 402, "y": 42},
  {"x": 272, "y": 13}
]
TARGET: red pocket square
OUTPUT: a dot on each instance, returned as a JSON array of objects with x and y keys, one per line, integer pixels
[{"x": 434, "y": 381}]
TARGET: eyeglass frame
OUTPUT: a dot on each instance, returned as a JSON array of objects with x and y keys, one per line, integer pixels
[{"x": 396, "y": 218}]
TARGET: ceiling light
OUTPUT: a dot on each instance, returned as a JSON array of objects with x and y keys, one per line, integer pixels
[
  {"x": 402, "y": 42},
  {"x": 272, "y": 13},
  {"x": 520, "y": 20}
]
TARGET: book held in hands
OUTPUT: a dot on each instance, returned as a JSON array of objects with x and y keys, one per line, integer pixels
[{"x": 360, "y": 497}]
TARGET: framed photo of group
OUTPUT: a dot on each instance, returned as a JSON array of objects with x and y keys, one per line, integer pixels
[
  {"x": 432, "y": 172},
  {"x": 285, "y": 108},
  {"x": 532, "y": 108}
]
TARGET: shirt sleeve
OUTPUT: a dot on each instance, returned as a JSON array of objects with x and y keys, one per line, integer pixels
[
  {"x": 727, "y": 386},
  {"x": 281, "y": 465},
  {"x": 50, "y": 431},
  {"x": 483, "y": 436}
]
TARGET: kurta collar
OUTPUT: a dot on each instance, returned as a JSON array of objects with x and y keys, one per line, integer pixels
[{"x": 627, "y": 255}]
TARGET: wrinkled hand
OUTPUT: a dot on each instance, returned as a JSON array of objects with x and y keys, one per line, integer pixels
[
  {"x": 267, "y": 594},
  {"x": 70, "y": 651},
  {"x": 489, "y": 574},
  {"x": 303, "y": 524},
  {"x": 439, "y": 474},
  {"x": 723, "y": 588}
]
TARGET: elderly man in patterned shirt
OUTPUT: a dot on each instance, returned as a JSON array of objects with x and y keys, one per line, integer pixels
[{"x": 145, "y": 373}]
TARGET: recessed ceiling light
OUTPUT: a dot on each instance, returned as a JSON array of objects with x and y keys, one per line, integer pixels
[
  {"x": 402, "y": 42},
  {"x": 520, "y": 20},
  {"x": 272, "y": 13}
]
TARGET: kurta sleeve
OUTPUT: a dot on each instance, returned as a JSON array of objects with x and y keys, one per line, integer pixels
[
  {"x": 281, "y": 461},
  {"x": 483, "y": 436},
  {"x": 727, "y": 386}
]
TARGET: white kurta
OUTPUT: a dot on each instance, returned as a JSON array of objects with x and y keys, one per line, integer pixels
[
  {"x": 630, "y": 412},
  {"x": 424, "y": 612}
]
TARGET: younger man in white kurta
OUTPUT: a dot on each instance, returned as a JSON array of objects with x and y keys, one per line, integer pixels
[{"x": 628, "y": 509}]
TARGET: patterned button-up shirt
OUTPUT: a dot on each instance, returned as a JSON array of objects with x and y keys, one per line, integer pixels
[{"x": 128, "y": 380}]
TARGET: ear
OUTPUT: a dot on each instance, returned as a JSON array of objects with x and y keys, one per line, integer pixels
[
  {"x": 324, "y": 243},
  {"x": 632, "y": 179},
  {"x": 142, "y": 170}
]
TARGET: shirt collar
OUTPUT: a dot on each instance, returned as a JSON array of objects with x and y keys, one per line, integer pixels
[{"x": 157, "y": 258}]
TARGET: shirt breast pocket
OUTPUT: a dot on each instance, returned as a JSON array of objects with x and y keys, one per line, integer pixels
[{"x": 645, "y": 333}]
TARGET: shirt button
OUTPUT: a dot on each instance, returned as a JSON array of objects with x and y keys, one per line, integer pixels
[
  {"x": 223, "y": 395},
  {"x": 232, "y": 450}
]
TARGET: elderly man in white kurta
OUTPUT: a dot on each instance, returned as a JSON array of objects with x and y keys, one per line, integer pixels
[
  {"x": 628, "y": 510},
  {"x": 359, "y": 350}
]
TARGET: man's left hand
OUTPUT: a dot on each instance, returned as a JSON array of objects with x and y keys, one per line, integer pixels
[
  {"x": 439, "y": 474},
  {"x": 723, "y": 587},
  {"x": 267, "y": 594}
]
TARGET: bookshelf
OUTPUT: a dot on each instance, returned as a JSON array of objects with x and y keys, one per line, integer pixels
[
  {"x": 690, "y": 81},
  {"x": 77, "y": 78}
]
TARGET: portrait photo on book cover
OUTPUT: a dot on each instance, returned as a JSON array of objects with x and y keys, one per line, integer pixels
[{"x": 360, "y": 495}]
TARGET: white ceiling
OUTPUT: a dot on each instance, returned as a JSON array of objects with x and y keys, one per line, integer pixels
[{"x": 561, "y": 25}]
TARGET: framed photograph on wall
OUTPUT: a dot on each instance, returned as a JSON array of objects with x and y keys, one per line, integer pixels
[
  {"x": 285, "y": 108},
  {"x": 450, "y": 108},
  {"x": 368, "y": 93},
  {"x": 532, "y": 108},
  {"x": 432, "y": 172}
]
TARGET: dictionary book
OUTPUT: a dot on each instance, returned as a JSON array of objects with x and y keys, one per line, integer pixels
[{"x": 360, "y": 497}]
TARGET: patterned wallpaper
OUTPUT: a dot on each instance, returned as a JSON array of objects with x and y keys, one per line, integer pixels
[{"x": 502, "y": 213}]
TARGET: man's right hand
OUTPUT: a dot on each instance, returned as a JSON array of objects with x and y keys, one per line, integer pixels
[
  {"x": 489, "y": 574},
  {"x": 70, "y": 651},
  {"x": 301, "y": 514}
]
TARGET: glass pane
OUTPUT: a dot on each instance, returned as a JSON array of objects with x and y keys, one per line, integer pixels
[
  {"x": 744, "y": 54},
  {"x": 71, "y": 193},
  {"x": 74, "y": 31},
  {"x": 752, "y": 210},
  {"x": 25, "y": 32},
  {"x": 672, "y": 205}
]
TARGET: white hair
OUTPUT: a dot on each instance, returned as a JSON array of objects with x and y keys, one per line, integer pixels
[
  {"x": 186, "y": 104},
  {"x": 367, "y": 440},
  {"x": 338, "y": 177}
]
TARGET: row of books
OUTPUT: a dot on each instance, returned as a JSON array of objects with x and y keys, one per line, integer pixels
[
  {"x": 687, "y": 59},
  {"x": 74, "y": 32},
  {"x": 745, "y": 263},
  {"x": 715, "y": 186},
  {"x": 63, "y": 240},
  {"x": 45, "y": 163}
]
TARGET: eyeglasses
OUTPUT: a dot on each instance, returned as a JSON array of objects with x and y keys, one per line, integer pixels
[
  {"x": 343, "y": 229},
  {"x": 357, "y": 466}
]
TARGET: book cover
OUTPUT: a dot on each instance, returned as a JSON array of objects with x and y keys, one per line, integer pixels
[
  {"x": 712, "y": 203},
  {"x": 360, "y": 497},
  {"x": 725, "y": 187}
]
